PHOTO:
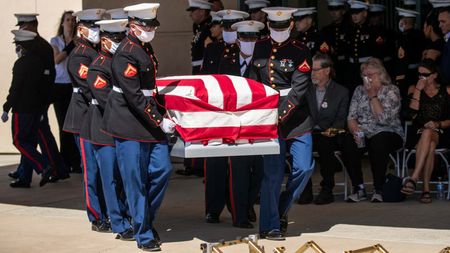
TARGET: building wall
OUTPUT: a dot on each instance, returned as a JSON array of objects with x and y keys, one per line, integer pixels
[{"x": 50, "y": 12}]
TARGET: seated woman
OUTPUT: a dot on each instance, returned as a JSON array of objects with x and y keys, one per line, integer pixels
[
  {"x": 429, "y": 103},
  {"x": 374, "y": 119}
]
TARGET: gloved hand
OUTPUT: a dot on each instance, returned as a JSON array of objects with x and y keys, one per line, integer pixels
[
  {"x": 69, "y": 47},
  {"x": 5, "y": 116},
  {"x": 168, "y": 126}
]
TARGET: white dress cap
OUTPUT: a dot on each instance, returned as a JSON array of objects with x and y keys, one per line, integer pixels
[
  {"x": 278, "y": 14},
  {"x": 409, "y": 2},
  {"x": 336, "y": 2},
  {"x": 305, "y": 11},
  {"x": 199, "y": 4},
  {"x": 215, "y": 18},
  {"x": 248, "y": 26},
  {"x": 118, "y": 13},
  {"x": 113, "y": 25},
  {"x": 232, "y": 14},
  {"x": 26, "y": 17},
  {"x": 257, "y": 4},
  {"x": 376, "y": 8},
  {"x": 23, "y": 35},
  {"x": 358, "y": 4},
  {"x": 89, "y": 14},
  {"x": 440, "y": 3},
  {"x": 146, "y": 11},
  {"x": 406, "y": 13}
]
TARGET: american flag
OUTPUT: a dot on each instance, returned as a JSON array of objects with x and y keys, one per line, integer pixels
[{"x": 229, "y": 108}]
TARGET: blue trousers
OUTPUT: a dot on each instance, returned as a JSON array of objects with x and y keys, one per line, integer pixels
[
  {"x": 145, "y": 169},
  {"x": 95, "y": 202},
  {"x": 112, "y": 187},
  {"x": 25, "y": 131},
  {"x": 274, "y": 205}
]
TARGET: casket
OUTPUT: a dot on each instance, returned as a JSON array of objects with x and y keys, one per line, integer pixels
[{"x": 221, "y": 115}]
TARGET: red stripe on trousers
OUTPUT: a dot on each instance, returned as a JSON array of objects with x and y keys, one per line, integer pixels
[
  {"x": 88, "y": 202},
  {"x": 46, "y": 147},
  {"x": 233, "y": 205},
  {"x": 19, "y": 147}
]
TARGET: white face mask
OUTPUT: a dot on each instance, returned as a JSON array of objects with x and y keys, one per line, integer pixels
[
  {"x": 113, "y": 47},
  {"x": 401, "y": 27},
  {"x": 146, "y": 36},
  {"x": 247, "y": 47},
  {"x": 229, "y": 37},
  {"x": 280, "y": 36},
  {"x": 19, "y": 52},
  {"x": 94, "y": 35}
]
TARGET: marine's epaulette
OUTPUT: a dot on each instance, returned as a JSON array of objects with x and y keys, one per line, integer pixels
[
  {"x": 298, "y": 44},
  {"x": 263, "y": 39}
]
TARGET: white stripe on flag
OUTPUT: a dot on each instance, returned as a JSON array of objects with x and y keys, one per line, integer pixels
[
  {"x": 243, "y": 92},
  {"x": 226, "y": 119},
  {"x": 215, "y": 95},
  {"x": 269, "y": 91}
]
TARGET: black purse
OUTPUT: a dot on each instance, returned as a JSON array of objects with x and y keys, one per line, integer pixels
[{"x": 391, "y": 189}]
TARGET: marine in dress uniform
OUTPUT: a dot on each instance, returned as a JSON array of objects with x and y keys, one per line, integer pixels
[
  {"x": 334, "y": 37},
  {"x": 46, "y": 140},
  {"x": 106, "y": 174},
  {"x": 135, "y": 118},
  {"x": 214, "y": 50},
  {"x": 217, "y": 168},
  {"x": 359, "y": 40},
  {"x": 408, "y": 54},
  {"x": 444, "y": 17},
  {"x": 285, "y": 65},
  {"x": 308, "y": 33},
  {"x": 384, "y": 44},
  {"x": 78, "y": 64},
  {"x": 254, "y": 9},
  {"x": 28, "y": 98},
  {"x": 199, "y": 12}
]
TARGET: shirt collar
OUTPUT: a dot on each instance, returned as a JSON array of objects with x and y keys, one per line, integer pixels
[{"x": 447, "y": 37}]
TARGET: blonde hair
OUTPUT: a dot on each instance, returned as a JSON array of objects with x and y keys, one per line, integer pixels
[{"x": 377, "y": 64}]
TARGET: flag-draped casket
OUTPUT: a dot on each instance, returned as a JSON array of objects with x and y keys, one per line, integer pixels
[{"x": 220, "y": 108}]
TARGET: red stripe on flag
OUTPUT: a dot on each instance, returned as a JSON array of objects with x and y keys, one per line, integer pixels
[
  {"x": 233, "y": 133},
  {"x": 228, "y": 91}
]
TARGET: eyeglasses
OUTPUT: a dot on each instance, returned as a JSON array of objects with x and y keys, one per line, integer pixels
[
  {"x": 148, "y": 28},
  {"x": 420, "y": 74},
  {"x": 318, "y": 69}
]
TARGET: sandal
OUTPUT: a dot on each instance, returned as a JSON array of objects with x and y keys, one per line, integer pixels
[
  {"x": 409, "y": 186},
  {"x": 425, "y": 198}
]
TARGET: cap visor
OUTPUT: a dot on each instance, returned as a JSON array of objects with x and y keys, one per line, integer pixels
[
  {"x": 279, "y": 24},
  {"x": 192, "y": 8}
]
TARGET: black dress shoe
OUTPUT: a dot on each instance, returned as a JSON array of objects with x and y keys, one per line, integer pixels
[
  {"x": 156, "y": 235},
  {"x": 45, "y": 177},
  {"x": 13, "y": 174},
  {"x": 283, "y": 223},
  {"x": 274, "y": 235},
  {"x": 19, "y": 184},
  {"x": 54, "y": 179},
  {"x": 212, "y": 218},
  {"x": 127, "y": 235},
  {"x": 76, "y": 170},
  {"x": 324, "y": 197},
  {"x": 307, "y": 196},
  {"x": 101, "y": 226},
  {"x": 153, "y": 245},
  {"x": 251, "y": 214},
  {"x": 244, "y": 224}
]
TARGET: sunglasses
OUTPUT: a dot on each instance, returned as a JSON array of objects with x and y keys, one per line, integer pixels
[{"x": 425, "y": 74}]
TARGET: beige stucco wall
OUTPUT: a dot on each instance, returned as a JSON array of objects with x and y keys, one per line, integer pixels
[{"x": 50, "y": 12}]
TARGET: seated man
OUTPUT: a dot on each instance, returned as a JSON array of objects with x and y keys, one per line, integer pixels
[{"x": 328, "y": 105}]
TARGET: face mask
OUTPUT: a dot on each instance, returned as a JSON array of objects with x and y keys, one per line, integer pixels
[
  {"x": 19, "y": 52},
  {"x": 113, "y": 47},
  {"x": 146, "y": 36},
  {"x": 280, "y": 36},
  {"x": 401, "y": 27},
  {"x": 247, "y": 47},
  {"x": 229, "y": 37},
  {"x": 94, "y": 35}
]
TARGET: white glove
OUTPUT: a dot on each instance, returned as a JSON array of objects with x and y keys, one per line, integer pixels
[
  {"x": 5, "y": 116},
  {"x": 168, "y": 126}
]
